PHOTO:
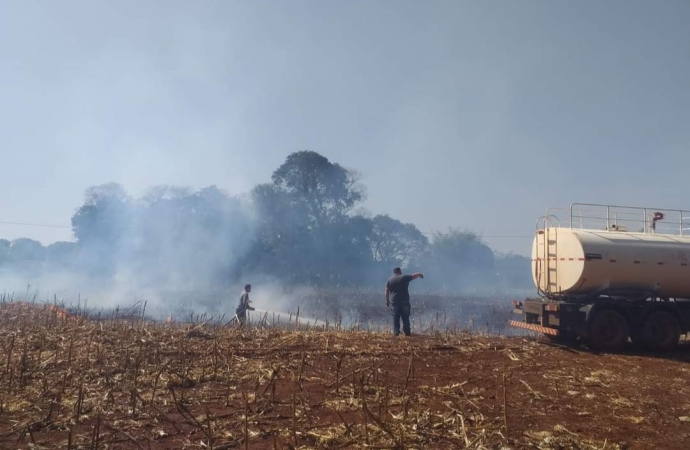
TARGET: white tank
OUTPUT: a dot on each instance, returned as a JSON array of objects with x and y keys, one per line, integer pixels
[{"x": 576, "y": 261}]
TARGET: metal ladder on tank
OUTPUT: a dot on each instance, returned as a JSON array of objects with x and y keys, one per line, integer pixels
[{"x": 546, "y": 266}]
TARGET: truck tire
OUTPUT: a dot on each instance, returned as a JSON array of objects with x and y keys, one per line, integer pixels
[
  {"x": 608, "y": 331},
  {"x": 660, "y": 331}
]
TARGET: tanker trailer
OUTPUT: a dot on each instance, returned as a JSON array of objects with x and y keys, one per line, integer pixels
[{"x": 606, "y": 274}]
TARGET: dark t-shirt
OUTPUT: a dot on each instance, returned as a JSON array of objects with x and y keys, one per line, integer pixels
[{"x": 398, "y": 289}]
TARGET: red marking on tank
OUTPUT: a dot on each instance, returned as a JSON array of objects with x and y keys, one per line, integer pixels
[
  {"x": 613, "y": 261},
  {"x": 562, "y": 259},
  {"x": 580, "y": 259},
  {"x": 571, "y": 259},
  {"x": 636, "y": 262},
  {"x": 660, "y": 263}
]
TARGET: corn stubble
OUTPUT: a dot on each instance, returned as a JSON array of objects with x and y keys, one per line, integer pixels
[{"x": 77, "y": 382}]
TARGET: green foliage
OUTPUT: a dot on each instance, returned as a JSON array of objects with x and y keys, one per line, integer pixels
[
  {"x": 327, "y": 191},
  {"x": 462, "y": 249},
  {"x": 299, "y": 228},
  {"x": 459, "y": 260},
  {"x": 305, "y": 232},
  {"x": 513, "y": 270},
  {"x": 26, "y": 250},
  {"x": 4, "y": 250},
  {"x": 61, "y": 252},
  {"x": 395, "y": 243},
  {"x": 105, "y": 217}
]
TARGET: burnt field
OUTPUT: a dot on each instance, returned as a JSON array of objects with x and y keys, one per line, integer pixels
[
  {"x": 355, "y": 308},
  {"x": 126, "y": 383}
]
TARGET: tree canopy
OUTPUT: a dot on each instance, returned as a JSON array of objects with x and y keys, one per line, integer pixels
[{"x": 298, "y": 228}]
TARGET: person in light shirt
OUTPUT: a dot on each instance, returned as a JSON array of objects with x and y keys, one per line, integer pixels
[{"x": 244, "y": 306}]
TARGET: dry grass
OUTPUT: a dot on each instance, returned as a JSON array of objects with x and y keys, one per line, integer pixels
[{"x": 74, "y": 382}]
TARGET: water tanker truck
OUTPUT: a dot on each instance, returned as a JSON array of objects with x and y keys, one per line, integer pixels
[{"x": 606, "y": 274}]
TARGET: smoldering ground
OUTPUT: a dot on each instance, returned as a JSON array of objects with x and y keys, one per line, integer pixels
[
  {"x": 298, "y": 240},
  {"x": 275, "y": 304}
]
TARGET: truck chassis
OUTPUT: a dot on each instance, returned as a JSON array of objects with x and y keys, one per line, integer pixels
[{"x": 606, "y": 323}]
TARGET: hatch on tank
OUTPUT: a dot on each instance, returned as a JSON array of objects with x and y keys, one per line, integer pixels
[{"x": 616, "y": 227}]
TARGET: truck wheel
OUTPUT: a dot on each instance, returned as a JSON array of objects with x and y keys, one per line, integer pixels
[
  {"x": 608, "y": 331},
  {"x": 660, "y": 331}
]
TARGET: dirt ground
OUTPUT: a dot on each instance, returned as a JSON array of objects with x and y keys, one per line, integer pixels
[{"x": 117, "y": 384}]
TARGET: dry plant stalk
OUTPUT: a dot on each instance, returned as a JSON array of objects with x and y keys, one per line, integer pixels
[{"x": 102, "y": 382}]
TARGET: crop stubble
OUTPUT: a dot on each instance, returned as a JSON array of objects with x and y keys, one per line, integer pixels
[{"x": 74, "y": 382}]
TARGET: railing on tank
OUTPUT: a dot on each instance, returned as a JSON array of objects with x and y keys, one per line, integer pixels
[{"x": 627, "y": 218}]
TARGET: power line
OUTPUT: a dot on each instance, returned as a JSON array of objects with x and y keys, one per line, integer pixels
[
  {"x": 491, "y": 236},
  {"x": 33, "y": 224},
  {"x": 515, "y": 236},
  {"x": 488, "y": 236}
]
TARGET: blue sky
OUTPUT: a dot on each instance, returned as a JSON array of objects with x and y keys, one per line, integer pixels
[{"x": 469, "y": 114}]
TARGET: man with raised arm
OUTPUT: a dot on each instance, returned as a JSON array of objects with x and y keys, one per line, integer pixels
[{"x": 398, "y": 296}]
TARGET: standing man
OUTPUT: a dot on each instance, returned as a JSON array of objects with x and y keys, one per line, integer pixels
[
  {"x": 243, "y": 307},
  {"x": 398, "y": 296}
]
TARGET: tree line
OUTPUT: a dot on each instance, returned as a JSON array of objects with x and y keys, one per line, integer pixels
[{"x": 300, "y": 228}]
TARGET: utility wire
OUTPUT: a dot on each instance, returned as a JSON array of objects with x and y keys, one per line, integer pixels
[
  {"x": 507, "y": 237},
  {"x": 33, "y": 224},
  {"x": 489, "y": 236}
]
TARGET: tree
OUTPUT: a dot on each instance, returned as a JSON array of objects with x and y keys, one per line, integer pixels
[
  {"x": 60, "y": 250},
  {"x": 4, "y": 250},
  {"x": 459, "y": 260},
  {"x": 514, "y": 271},
  {"x": 346, "y": 259},
  {"x": 328, "y": 190},
  {"x": 189, "y": 239},
  {"x": 109, "y": 191},
  {"x": 25, "y": 249},
  {"x": 395, "y": 243},
  {"x": 172, "y": 236},
  {"x": 283, "y": 240},
  {"x": 305, "y": 231},
  {"x": 61, "y": 253},
  {"x": 164, "y": 192},
  {"x": 300, "y": 228},
  {"x": 105, "y": 216}
]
